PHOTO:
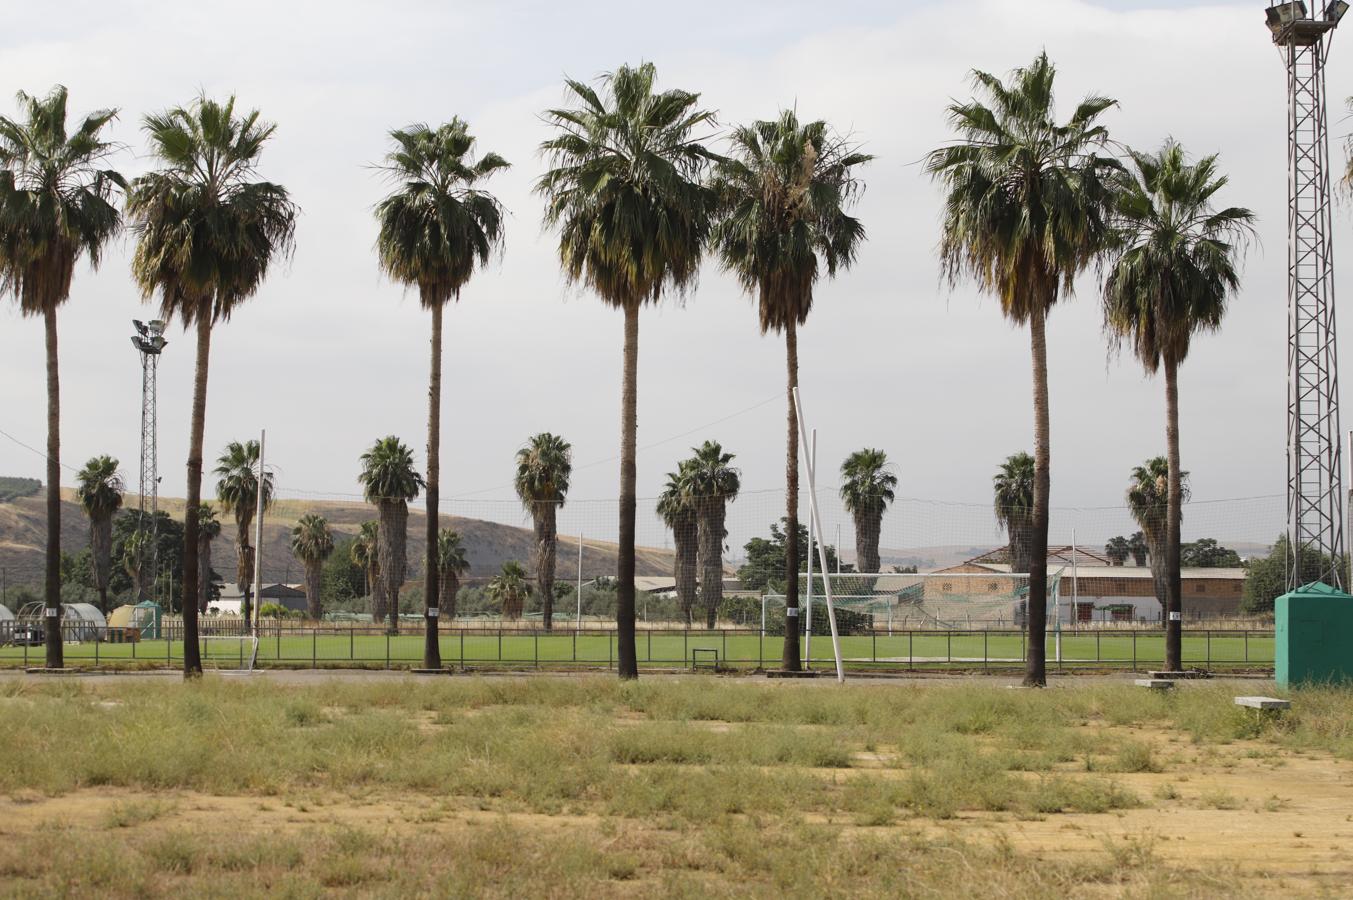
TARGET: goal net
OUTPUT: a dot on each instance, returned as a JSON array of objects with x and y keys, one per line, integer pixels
[
  {"x": 229, "y": 652},
  {"x": 910, "y": 600}
]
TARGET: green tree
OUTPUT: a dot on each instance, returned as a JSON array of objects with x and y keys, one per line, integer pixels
[
  {"x": 1206, "y": 553},
  {"x": 342, "y": 578},
  {"x": 452, "y": 564},
  {"x": 712, "y": 484},
  {"x": 676, "y": 508},
  {"x": 56, "y": 207},
  {"x": 436, "y": 229},
  {"x": 509, "y": 590},
  {"x": 1148, "y": 500},
  {"x": 208, "y": 529},
  {"x": 783, "y": 195},
  {"x": 624, "y": 194},
  {"x": 1176, "y": 266},
  {"x": 312, "y": 543},
  {"x": 1013, "y": 490},
  {"x": 1266, "y": 577},
  {"x": 207, "y": 230},
  {"x": 389, "y": 481},
  {"x": 237, "y": 489},
  {"x": 1026, "y": 210},
  {"x": 766, "y": 559},
  {"x": 166, "y": 550},
  {"x": 867, "y": 487},
  {"x": 544, "y": 466},
  {"x": 100, "y": 496},
  {"x": 366, "y": 554},
  {"x": 1117, "y": 549}
]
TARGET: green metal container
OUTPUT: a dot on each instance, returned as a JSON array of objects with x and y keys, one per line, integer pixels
[{"x": 1314, "y": 636}]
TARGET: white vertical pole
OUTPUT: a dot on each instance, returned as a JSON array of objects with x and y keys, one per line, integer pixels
[
  {"x": 812, "y": 530},
  {"x": 1348, "y": 511},
  {"x": 822, "y": 551},
  {"x": 838, "y": 551},
  {"x": 258, "y": 536},
  {"x": 578, "y": 619}
]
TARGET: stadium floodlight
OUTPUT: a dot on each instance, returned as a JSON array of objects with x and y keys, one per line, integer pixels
[
  {"x": 149, "y": 342},
  {"x": 1282, "y": 15},
  {"x": 1335, "y": 11}
]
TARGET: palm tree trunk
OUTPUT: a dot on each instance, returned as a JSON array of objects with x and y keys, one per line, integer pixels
[
  {"x": 203, "y": 572},
  {"x": 313, "y": 571},
  {"x": 685, "y": 539},
  {"x": 376, "y": 585},
  {"x": 789, "y": 659},
  {"x": 52, "y": 572},
  {"x": 394, "y": 517},
  {"x": 1174, "y": 624},
  {"x": 711, "y": 557},
  {"x": 432, "y": 652},
  {"x": 1036, "y": 674},
  {"x": 101, "y": 547},
  {"x": 449, "y": 587},
  {"x": 868, "y": 524},
  {"x": 192, "y": 660},
  {"x": 626, "y": 652},
  {"x": 547, "y": 540}
]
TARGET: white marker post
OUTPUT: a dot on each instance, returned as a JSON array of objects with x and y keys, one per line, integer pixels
[
  {"x": 578, "y": 621},
  {"x": 821, "y": 550},
  {"x": 808, "y": 619},
  {"x": 258, "y": 538}
]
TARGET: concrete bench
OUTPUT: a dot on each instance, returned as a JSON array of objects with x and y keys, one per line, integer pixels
[
  {"x": 1156, "y": 684},
  {"x": 1267, "y": 703}
]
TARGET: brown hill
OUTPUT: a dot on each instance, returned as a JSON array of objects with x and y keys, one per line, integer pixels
[{"x": 23, "y": 526}]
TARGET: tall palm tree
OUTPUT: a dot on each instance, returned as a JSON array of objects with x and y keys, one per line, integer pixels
[
  {"x": 100, "y": 496},
  {"x": 207, "y": 231},
  {"x": 543, "y": 469},
  {"x": 676, "y": 507},
  {"x": 452, "y": 564},
  {"x": 1174, "y": 270},
  {"x": 867, "y": 485},
  {"x": 208, "y": 529},
  {"x": 624, "y": 193},
  {"x": 366, "y": 553},
  {"x": 1026, "y": 211},
  {"x": 1013, "y": 490},
  {"x": 390, "y": 480},
  {"x": 56, "y": 207},
  {"x": 712, "y": 483},
  {"x": 783, "y": 196},
  {"x": 312, "y": 543},
  {"x": 509, "y": 589},
  {"x": 237, "y": 489},
  {"x": 1148, "y": 497},
  {"x": 436, "y": 229}
]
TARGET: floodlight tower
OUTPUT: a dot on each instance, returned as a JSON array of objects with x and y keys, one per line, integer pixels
[
  {"x": 149, "y": 341},
  {"x": 1314, "y": 493}
]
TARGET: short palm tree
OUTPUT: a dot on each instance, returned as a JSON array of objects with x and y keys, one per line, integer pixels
[
  {"x": 100, "y": 496},
  {"x": 676, "y": 507},
  {"x": 1026, "y": 210},
  {"x": 543, "y": 469},
  {"x": 783, "y": 196},
  {"x": 1013, "y": 501},
  {"x": 1175, "y": 268},
  {"x": 712, "y": 483},
  {"x": 436, "y": 229},
  {"x": 452, "y": 564},
  {"x": 509, "y": 589},
  {"x": 624, "y": 193},
  {"x": 390, "y": 480},
  {"x": 867, "y": 487},
  {"x": 208, "y": 230},
  {"x": 237, "y": 489},
  {"x": 312, "y": 543},
  {"x": 1137, "y": 547},
  {"x": 208, "y": 529},
  {"x": 56, "y": 207},
  {"x": 1117, "y": 549},
  {"x": 366, "y": 553}
]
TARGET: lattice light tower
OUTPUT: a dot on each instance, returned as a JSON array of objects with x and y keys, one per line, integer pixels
[
  {"x": 1314, "y": 492},
  {"x": 149, "y": 341}
]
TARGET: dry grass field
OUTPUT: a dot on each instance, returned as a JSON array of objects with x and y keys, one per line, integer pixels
[{"x": 693, "y": 786}]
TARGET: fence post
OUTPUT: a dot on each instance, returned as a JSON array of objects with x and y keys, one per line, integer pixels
[
  {"x": 1247, "y": 645},
  {"x": 352, "y": 647},
  {"x": 1134, "y": 649},
  {"x": 610, "y": 654},
  {"x": 500, "y": 643},
  {"x": 986, "y": 654},
  {"x": 535, "y": 640},
  {"x": 314, "y": 648},
  {"x": 1209, "y": 648},
  {"x": 911, "y": 654},
  {"x": 650, "y": 645},
  {"x": 387, "y": 650},
  {"x": 575, "y": 645},
  {"x": 875, "y": 642},
  {"x": 685, "y": 640},
  {"x": 1097, "y": 656},
  {"x": 761, "y": 649},
  {"x": 949, "y": 646}
]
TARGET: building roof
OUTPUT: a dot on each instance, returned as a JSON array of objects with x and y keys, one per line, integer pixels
[{"x": 1100, "y": 571}]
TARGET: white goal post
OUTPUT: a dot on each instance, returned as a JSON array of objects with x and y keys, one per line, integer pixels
[{"x": 229, "y": 651}]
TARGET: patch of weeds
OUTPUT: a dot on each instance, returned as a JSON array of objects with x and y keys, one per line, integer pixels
[
  {"x": 176, "y": 854},
  {"x": 1166, "y": 791},
  {"x": 1217, "y": 798},
  {"x": 1134, "y": 756},
  {"x": 1132, "y": 851},
  {"x": 126, "y": 813}
]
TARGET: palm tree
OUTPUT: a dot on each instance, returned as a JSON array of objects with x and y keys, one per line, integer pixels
[
  {"x": 543, "y": 469},
  {"x": 1148, "y": 497},
  {"x": 866, "y": 489},
  {"x": 676, "y": 507},
  {"x": 390, "y": 480},
  {"x": 1137, "y": 547},
  {"x": 1175, "y": 269},
  {"x": 366, "y": 553},
  {"x": 451, "y": 565},
  {"x": 625, "y": 195},
  {"x": 237, "y": 489},
  {"x": 1013, "y": 489},
  {"x": 56, "y": 206},
  {"x": 782, "y": 198},
  {"x": 312, "y": 542},
  {"x": 436, "y": 229},
  {"x": 208, "y": 529},
  {"x": 509, "y": 589},
  {"x": 1026, "y": 211},
  {"x": 711, "y": 484},
  {"x": 100, "y": 496},
  {"x": 1118, "y": 549},
  {"x": 207, "y": 232}
]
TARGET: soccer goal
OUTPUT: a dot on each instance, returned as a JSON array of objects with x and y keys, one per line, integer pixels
[{"x": 226, "y": 652}]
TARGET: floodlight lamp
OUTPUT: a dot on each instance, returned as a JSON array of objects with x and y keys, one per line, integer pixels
[
  {"x": 1335, "y": 11},
  {"x": 156, "y": 326},
  {"x": 139, "y": 325},
  {"x": 1284, "y": 14}
]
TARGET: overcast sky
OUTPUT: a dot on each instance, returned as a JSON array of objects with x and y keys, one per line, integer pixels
[{"x": 330, "y": 355}]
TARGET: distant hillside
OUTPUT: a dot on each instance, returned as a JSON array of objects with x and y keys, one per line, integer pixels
[
  {"x": 23, "y": 525},
  {"x": 13, "y": 488}
]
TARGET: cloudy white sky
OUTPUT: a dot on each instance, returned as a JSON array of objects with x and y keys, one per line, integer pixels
[{"x": 330, "y": 355}]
